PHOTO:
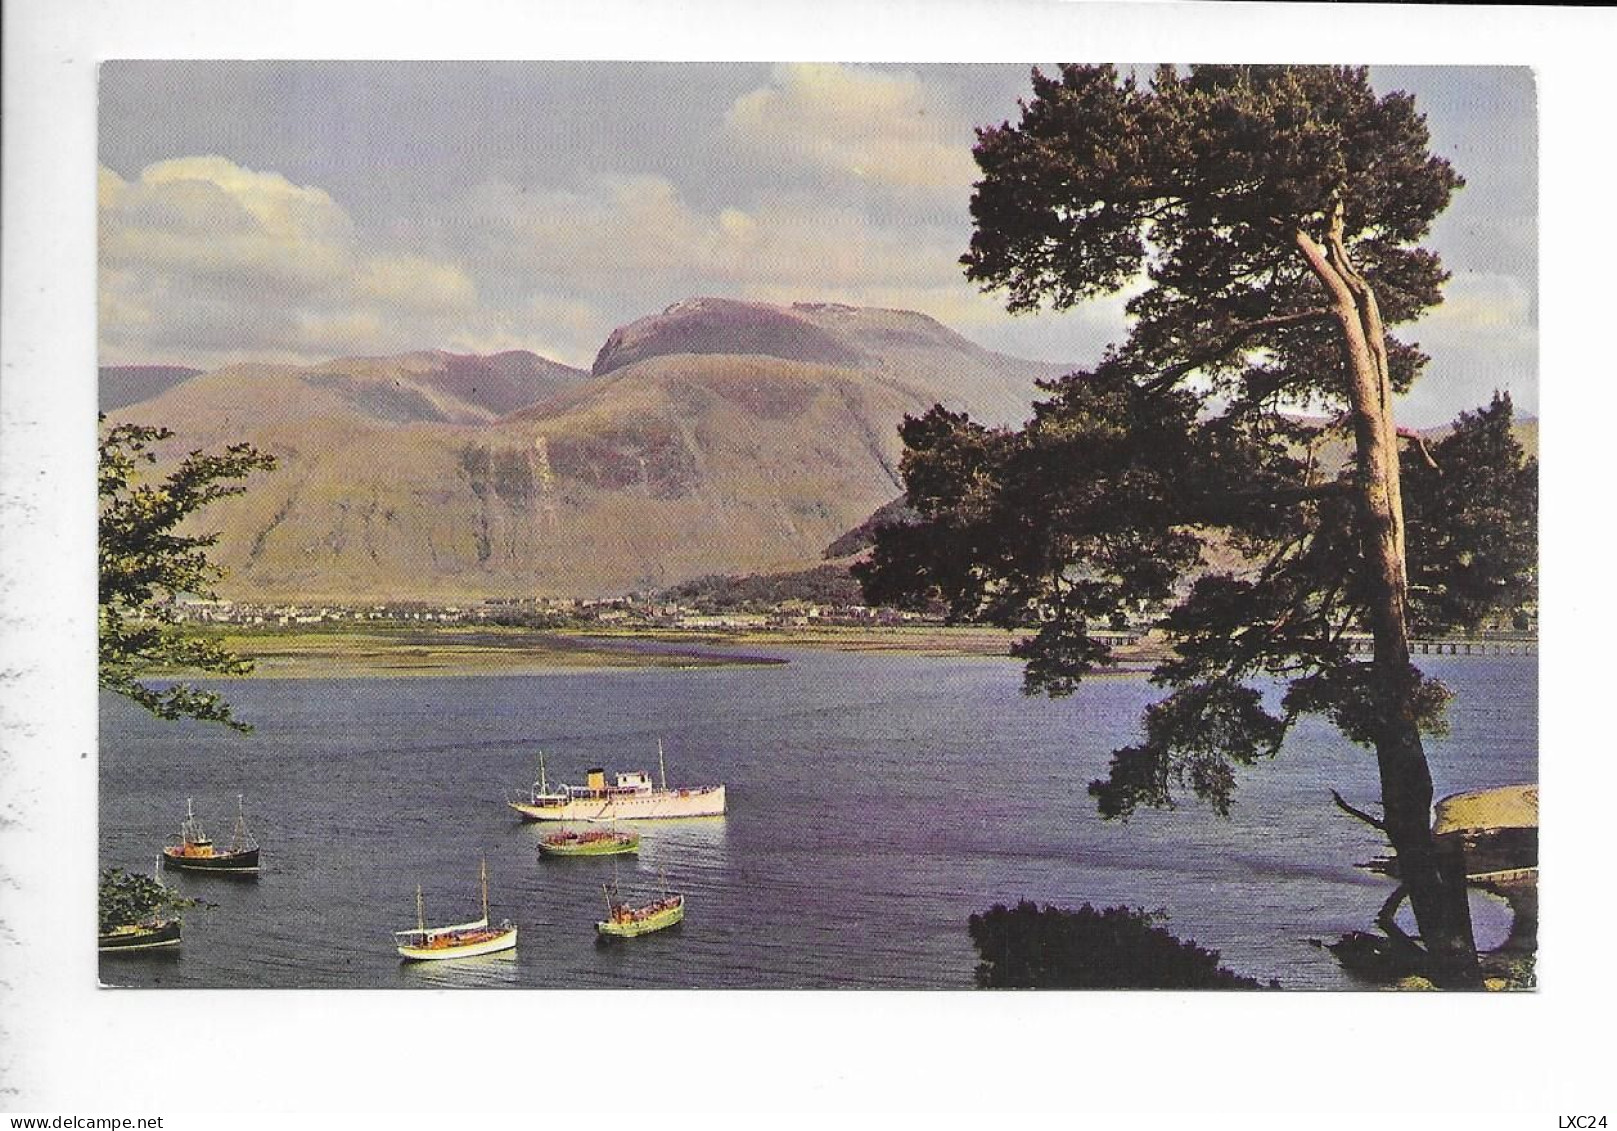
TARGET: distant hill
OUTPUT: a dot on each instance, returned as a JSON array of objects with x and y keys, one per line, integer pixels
[
  {"x": 908, "y": 350},
  {"x": 716, "y": 438},
  {"x": 444, "y": 387},
  {"x": 121, "y": 385},
  {"x": 413, "y": 388},
  {"x": 862, "y": 537}
]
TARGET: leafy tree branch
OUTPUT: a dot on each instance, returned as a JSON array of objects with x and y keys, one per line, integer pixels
[{"x": 146, "y": 562}]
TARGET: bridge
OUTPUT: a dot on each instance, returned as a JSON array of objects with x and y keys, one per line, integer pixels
[{"x": 1457, "y": 645}]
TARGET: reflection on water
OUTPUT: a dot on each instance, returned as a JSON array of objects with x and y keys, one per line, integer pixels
[{"x": 875, "y": 803}]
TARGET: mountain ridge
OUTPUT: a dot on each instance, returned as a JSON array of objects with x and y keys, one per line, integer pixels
[{"x": 434, "y": 475}]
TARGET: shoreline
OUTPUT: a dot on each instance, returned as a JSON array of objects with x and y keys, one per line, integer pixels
[
  {"x": 413, "y": 652},
  {"x": 403, "y": 651}
]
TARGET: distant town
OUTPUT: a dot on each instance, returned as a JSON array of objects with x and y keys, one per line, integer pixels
[
  {"x": 545, "y": 612},
  {"x": 1506, "y": 633}
]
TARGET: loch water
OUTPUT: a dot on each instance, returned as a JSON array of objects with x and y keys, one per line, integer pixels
[{"x": 876, "y": 801}]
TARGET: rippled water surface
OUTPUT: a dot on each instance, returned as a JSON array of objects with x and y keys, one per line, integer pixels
[{"x": 875, "y": 802}]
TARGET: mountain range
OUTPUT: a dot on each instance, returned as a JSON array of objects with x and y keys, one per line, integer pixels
[{"x": 718, "y": 436}]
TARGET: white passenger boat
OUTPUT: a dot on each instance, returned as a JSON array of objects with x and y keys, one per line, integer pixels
[{"x": 629, "y": 797}]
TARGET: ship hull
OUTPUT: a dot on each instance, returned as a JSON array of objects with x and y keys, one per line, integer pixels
[
  {"x": 505, "y": 940},
  {"x": 605, "y": 847},
  {"x": 244, "y": 862},
  {"x": 138, "y": 938},
  {"x": 661, "y": 921},
  {"x": 657, "y": 805}
]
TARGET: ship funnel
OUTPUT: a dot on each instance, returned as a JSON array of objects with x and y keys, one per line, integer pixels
[{"x": 597, "y": 778}]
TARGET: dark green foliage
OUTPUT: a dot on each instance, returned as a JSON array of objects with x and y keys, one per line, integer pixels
[
  {"x": 1200, "y": 179},
  {"x": 1185, "y": 442},
  {"x": 530, "y": 618},
  {"x": 130, "y": 899},
  {"x": 823, "y": 585},
  {"x": 1472, "y": 523},
  {"x": 145, "y": 563},
  {"x": 1114, "y": 949},
  {"x": 861, "y": 537}
]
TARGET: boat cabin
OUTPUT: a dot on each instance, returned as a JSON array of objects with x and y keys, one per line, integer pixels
[{"x": 595, "y": 784}]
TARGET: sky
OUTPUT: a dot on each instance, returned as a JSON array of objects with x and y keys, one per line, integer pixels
[{"x": 298, "y": 211}]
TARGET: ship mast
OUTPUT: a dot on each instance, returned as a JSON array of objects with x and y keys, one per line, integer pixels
[
  {"x": 611, "y": 910},
  {"x": 543, "y": 787},
  {"x": 662, "y": 770},
  {"x": 484, "y": 872},
  {"x": 420, "y": 912},
  {"x": 240, "y": 841}
]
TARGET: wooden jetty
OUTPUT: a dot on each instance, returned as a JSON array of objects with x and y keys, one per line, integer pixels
[{"x": 1456, "y": 646}]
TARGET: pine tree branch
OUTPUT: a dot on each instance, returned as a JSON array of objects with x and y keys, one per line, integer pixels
[
  {"x": 1420, "y": 443},
  {"x": 1373, "y": 822},
  {"x": 1235, "y": 504},
  {"x": 1233, "y": 340}
]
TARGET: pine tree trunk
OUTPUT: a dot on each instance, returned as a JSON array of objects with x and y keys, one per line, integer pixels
[
  {"x": 1435, "y": 881},
  {"x": 1437, "y": 887}
]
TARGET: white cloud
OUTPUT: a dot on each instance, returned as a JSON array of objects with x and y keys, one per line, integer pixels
[
  {"x": 204, "y": 261},
  {"x": 1482, "y": 338},
  {"x": 416, "y": 283},
  {"x": 878, "y": 127},
  {"x": 617, "y": 248},
  {"x": 1492, "y": 304},
  {"x": 639, "y": 233}
]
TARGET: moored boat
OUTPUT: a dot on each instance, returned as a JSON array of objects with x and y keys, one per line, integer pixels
[
  {"x": 140, "y": 936},
  {"x": 630, "y": 797},
  {"x": 459, "y": 940},
  {"x": 138, "y": 914},
  {"x": 626, "y": 920},
  {"x": 589, "y": 842},
  {"x": 197, "y": 853},
  {"x": 1496, "y": 829}
]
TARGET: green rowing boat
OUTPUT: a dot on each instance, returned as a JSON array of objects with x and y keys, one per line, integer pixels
[
  {"x": 626, "y": 922},
  {"x": 590, "y": 842}
]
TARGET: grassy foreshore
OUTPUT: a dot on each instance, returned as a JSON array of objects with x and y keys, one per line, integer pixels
[
  {"x": 323, "y": 651},
  {"x": 389, "y": 650}
]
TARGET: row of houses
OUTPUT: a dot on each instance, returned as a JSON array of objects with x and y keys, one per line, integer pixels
[{"x": 544, "y": 611}]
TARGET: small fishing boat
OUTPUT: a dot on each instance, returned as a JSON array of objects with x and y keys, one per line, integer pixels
[
  {"x": 589, "y": 842},
  {"x": 157, "y": 929},
  {"x": 196, "y": 853},
  {"x": 460, "y": 940},
  {"x": 626, "y": 920},
  {"x": 141, "y": 936},
  {"x": 630, "y": 797}
]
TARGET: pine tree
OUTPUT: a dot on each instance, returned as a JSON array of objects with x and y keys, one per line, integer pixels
[{"x": 1274, "y": 214}]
